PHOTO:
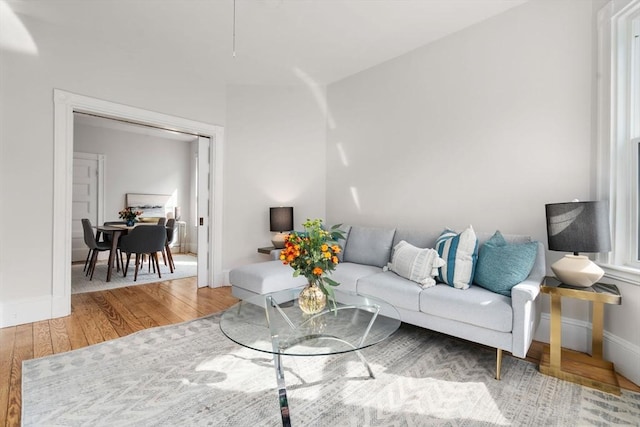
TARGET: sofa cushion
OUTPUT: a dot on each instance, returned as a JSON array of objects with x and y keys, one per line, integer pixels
[
  {"x": 460, "y": 252},
  {"x": 369, "y": 245},
  {"x": 388, "y": 286},
  {"x": 348, "y": 274},
  {"x": 343, "y": 242},
  {"x": 265, "y": 277},
  {"x": 419, "y": 238},
  {"x": 501, "y": 266},
  {"x": 476, "y": 306},
  {"x": 416, "y": 264}
]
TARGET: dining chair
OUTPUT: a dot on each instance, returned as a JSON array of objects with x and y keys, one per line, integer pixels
[
  {"x": 95, "y": 247},
  {"x": 161, "y": 221},
  {"x": 166, "y": 253},
  {"x": 147, "y": 240}
]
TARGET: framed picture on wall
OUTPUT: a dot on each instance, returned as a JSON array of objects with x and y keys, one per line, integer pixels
[{"x": 151, "y": 205}]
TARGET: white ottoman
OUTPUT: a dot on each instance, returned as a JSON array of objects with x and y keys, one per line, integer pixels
[{"x": 262, "y": 278}]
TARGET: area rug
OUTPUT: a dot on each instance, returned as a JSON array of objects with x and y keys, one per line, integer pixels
[
  {"x": 191, "y": 374},
  {"x": 186, "y": 266}
]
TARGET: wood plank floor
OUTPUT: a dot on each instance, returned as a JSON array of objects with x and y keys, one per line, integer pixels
[
  {"x": 97, "y": 317},
  {"x": 102, "y": 316}
]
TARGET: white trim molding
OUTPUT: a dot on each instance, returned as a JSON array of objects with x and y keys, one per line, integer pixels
[
  {"x": 65, "y": 104},
  {"x": 617, "y": 134},
  {"x": 576, "y": 335}
]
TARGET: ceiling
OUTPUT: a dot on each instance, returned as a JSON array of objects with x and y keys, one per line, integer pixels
[{"x": 276, "y": 41}]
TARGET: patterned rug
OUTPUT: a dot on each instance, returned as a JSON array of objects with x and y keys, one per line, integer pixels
[
  {"x": 186, "y": 266},
  {"x": 190, "y": 374}
]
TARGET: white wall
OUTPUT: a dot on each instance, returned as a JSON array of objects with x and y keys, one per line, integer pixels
[
  {"x": 138, "y": 163},
  {"x": 77, "y": 63},
  {"x": 483, "y": 127},
  {"x": 275, "y": 156}
]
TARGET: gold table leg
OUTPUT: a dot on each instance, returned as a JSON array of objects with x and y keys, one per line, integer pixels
[
  {"x": 591, "y": 371},
  {"x": 555, "y": 339},
  {"x": 597, "y": 320}
]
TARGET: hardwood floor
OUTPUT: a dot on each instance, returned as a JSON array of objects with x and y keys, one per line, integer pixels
[
  {"x": 97, "y": 317},
  {"x": 102, "y": 316}
]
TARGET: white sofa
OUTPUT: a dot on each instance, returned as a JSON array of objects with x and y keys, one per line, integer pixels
[{"x": 475, "y": 314}]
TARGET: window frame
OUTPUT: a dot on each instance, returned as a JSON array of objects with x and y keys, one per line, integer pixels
[{"x": 618, "y": 146}]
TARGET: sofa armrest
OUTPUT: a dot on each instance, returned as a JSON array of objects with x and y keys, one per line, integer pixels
[{"x": 525, "y": 305}]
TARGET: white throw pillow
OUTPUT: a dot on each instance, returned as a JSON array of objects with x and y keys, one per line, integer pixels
[{"x": 416, "y": 264}]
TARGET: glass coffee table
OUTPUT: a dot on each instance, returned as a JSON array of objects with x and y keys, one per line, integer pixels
[{"x": 273, "y": 323}]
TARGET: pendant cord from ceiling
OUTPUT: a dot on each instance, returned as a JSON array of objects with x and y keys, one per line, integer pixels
[{"x": 234, "y": 28}]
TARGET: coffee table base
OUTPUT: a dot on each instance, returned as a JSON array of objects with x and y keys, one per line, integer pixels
[{"x": 282, "y": 387}]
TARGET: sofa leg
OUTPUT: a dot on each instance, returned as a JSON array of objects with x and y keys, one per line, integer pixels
[{"x": 498, "y": 363}]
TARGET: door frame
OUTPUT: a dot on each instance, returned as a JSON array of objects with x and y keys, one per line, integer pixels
[
  {"x": 65, "y": 104},
  {"x": 100, "y": 160}
]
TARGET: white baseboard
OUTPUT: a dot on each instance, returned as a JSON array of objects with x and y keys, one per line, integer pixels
[
  {"x": 28, "y": 310},
  {"x": 576, "y": 335}
]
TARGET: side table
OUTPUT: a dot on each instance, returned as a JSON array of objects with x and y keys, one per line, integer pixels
[
  {"x": 591, "y": 371},
  {"x": 266, "y": 250}
]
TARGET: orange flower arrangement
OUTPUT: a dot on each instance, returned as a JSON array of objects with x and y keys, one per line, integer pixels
[{"x": 313, "y": 254}]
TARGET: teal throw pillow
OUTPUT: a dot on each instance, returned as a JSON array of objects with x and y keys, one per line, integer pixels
[{"x": 501, "y": 265}]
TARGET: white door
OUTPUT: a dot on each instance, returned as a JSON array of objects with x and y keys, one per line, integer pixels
[
  {"x": 202, "y": 203},
  {"x": 87, "y": 181}
]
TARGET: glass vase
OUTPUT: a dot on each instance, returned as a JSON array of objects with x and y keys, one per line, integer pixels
[{"x": 311, "y": 299}]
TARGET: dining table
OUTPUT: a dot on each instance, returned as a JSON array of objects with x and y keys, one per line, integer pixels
[{"x": 116, "y": 231}]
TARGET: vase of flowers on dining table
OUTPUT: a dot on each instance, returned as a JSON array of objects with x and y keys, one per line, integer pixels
[{"x": 130, "y": 216}]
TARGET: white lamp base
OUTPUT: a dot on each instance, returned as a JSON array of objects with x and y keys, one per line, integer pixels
[
  {"x": 577, "y": 270},
  {"x": 278, "y": 240}
]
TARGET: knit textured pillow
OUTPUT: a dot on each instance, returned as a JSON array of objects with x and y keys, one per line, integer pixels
[
  {"x": 501, "y": 265},
  {"x": 415, "y": 264},
  {"x": 460, "y": 252}
]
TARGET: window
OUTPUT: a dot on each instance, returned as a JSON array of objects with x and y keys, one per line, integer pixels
[{"x": 619, "y": 135}]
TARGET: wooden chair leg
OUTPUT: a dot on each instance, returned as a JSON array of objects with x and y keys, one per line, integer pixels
[
  {"x": 164, "y": 257},
  {"x": 135, "y": 276},
  {"x": 92, "y": 267},
  {"x": 119, "y": 255},
  {"x": 152, "y": 264},
  {"x": 157, "y": 263},
  {"x": 89, "y": 264},
  {"x": 86, "y": 261},
  {"x": 498, "y": 363},
  {"x": 124, "y": 270},
  {"x": 172, "y": 265}
]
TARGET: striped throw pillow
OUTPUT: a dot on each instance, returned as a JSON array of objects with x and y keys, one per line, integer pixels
[{"x": 460, "y": 252}]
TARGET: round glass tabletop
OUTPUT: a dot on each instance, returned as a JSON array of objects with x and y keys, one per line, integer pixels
[{"x": 274, "y": 323}]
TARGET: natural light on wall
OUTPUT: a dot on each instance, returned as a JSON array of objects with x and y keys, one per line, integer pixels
[
  {"x": 343, "y": 155},
  {"x": 356, "y": 199},
  {"x": 318, "y": 95},
  {"x": 13, "y": 34}
]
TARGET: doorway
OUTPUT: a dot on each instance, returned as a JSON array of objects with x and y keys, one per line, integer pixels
[
  {"x": 65, "y": 104},
  {"x": 139, "y": 161},
  {"x": 88, "y": 185}
]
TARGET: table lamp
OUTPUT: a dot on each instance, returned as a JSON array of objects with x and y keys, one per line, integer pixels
[
  {"x": 578, "y": 227},
  {"x": 281, "y": 220}
]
